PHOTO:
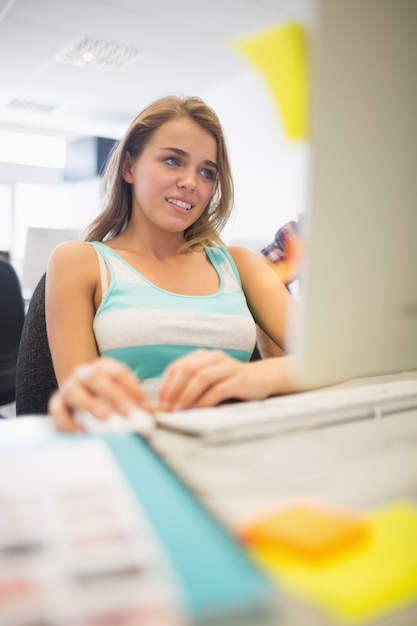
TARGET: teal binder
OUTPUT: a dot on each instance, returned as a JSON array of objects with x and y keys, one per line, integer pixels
[{"x": 222, "y": 586}]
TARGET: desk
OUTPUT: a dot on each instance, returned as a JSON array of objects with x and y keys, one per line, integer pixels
[{"x": 357, "y": 465}]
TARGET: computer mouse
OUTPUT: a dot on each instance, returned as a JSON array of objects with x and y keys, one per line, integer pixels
[{"x": 138, "y": 421}]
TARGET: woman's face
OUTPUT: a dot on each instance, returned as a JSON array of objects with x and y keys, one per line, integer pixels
[{"x": 174, "y": 177}]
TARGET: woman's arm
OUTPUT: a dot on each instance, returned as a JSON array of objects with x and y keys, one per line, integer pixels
[
  {"x": 86, "y": 381},
  {"x": 71, "y": 286},
  {"x": 208, "y": 377},
  {"x": 271, "y": 304}
]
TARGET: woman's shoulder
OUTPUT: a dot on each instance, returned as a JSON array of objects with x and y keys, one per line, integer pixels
[
  {"x": 240, "y": 254},
  {"x": 247, "y": 262},
  {"x": 72, "y": 253}
]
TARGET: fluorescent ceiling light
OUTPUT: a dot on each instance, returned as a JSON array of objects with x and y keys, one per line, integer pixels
[
  {"x": 98, "y": 54},
  {"x": 29, "y": 149}
]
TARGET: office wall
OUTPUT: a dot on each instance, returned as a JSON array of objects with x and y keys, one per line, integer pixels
[{"x": 270, "y": 171}]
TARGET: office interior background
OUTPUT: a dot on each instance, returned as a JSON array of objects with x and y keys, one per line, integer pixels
[{"x": 69, "y": 104}]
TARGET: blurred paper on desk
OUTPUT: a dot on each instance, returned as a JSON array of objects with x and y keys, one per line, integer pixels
[
  {"x": 98, "y": 529},
  {"x": 76, "y": 547}
]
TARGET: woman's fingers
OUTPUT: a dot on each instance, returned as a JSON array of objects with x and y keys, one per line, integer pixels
[
  {"x": 113, "y": 384},
  {"x": 179, "y": 385},
  {"x": 100, "y": 387},
  {"x": 62, "y": 415},
  {"x": 202, "y": 378}
]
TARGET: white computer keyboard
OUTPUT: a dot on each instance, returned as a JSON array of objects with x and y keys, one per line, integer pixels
[{"x": 311, "y": 409}]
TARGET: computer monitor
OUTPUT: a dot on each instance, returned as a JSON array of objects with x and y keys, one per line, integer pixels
[
  {"x": 358, "y": 289},
  {"x": 39, "y": 244}
]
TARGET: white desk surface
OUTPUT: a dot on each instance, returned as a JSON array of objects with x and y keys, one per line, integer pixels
[{"x": 357, "y": 465}]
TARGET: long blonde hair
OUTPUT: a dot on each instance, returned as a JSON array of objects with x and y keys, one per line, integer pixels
[{"x": 118, "y": 194}]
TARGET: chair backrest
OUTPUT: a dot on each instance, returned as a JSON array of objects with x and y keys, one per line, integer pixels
[
  {"x": 12, "y": 315},
  {"x": 35, "y": 376}
]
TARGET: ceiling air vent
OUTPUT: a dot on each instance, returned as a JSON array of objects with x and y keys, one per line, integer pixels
[{"x": 30, "y": 107}]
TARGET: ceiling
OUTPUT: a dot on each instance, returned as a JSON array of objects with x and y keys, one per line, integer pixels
[{"x": 186, "y": 48}]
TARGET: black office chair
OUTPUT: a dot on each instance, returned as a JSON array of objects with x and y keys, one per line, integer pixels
[
  {"x": 35, "y": 376},
  {"x": 12, "y": 315}
]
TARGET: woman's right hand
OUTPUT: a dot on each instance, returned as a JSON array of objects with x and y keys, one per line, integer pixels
[{"x": 102, "y": 387}]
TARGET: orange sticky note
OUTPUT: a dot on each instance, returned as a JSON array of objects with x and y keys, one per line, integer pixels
[{"x": 308, "y": 529}]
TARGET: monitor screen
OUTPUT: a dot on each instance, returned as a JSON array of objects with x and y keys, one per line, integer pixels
[{"x": 359, "y": 284}]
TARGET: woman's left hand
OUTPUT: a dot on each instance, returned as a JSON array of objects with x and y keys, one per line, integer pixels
[{"x": 208, "y": 377}]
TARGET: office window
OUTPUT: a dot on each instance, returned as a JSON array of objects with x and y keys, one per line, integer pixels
[
  {"x": 36, "y": 205},
  {"x": 32, "y": 149},
  {"x": 53, "y": 206}
]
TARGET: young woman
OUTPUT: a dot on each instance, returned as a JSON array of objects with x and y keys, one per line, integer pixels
[{"x": 152, "y": 309}]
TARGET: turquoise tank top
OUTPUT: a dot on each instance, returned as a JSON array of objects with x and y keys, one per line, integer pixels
[{"x": 147, "y": 327}]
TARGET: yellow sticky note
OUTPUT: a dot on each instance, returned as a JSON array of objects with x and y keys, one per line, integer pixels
[
  {"x": 280, "y": 53},
  {"x": 379, "y": 576}
]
